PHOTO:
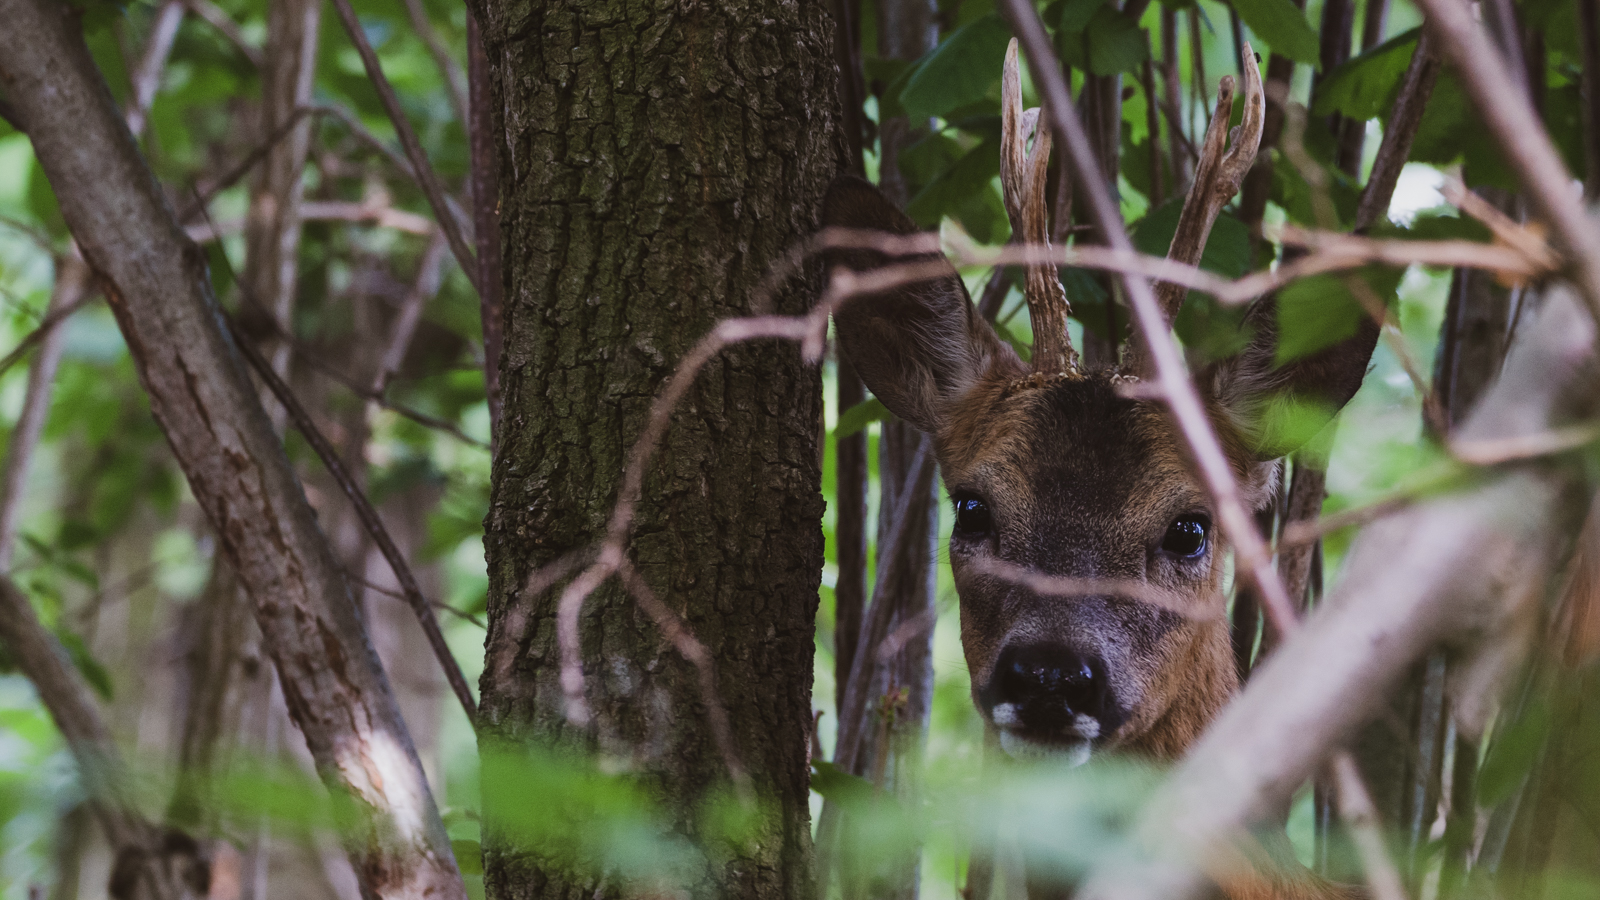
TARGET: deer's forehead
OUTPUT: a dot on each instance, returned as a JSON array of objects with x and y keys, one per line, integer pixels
[{"x": 1075, "y": 442}]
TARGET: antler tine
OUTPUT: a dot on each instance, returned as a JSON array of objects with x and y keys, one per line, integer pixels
[
  {"x": 1022, "y": 182},
  {"x": 1217, "y": 176}
]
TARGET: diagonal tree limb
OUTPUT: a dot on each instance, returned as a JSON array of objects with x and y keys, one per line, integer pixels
[
  {"x": 200, "y": 395},
  {"x": 426, "y": 178}
]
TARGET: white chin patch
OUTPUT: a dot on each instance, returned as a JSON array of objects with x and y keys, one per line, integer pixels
[{"x": 1072, "y": 746}]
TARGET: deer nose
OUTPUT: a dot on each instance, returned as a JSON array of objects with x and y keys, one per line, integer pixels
[{"x": 1048, "y": 686}]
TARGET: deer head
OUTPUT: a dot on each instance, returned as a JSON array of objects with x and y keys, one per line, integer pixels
[{"x": 1089, "y": 571}]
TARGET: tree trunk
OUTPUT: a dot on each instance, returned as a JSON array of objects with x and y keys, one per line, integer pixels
[{"x": 656, "y": 161}]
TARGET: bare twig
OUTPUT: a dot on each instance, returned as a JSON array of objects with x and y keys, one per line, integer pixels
[
  {"x": 71, "y": 288},
  {"x": 217, "y": 18},
  {"x": 325, "y": 211},
  {"x": 45, "y": 328},
  {"x": 369, "y": 518},
  {"x": 440, "y": 605},
  {"x": 1065, "y": 586},
  {"x": 1182, "y": 399},
  {"x": 426, "y": 179},
  {"x": 455, "y": 80},
  {"x": 1398, "y": 133},
  {"x": 355, "y": 387},
  {"x": 1494, "y": 88},
  {"x": 1508, "y": 231},
  {"x": 1495, "y": 451},
  {"x": 809, "y": 330},
  {"x": 422, "y": 290},
  {"x": 147, "y": 74},
  {"x": 690, "y": 648}
]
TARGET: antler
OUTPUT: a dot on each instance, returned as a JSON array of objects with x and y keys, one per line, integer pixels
[
  {"x": 1217, "y": 176},
  {"x": 1022, "y": 181}
]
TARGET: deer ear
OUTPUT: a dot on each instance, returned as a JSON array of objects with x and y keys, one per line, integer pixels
[
  {"x": 918, "y": 345},
  {"x": 1274, "y": 409}
]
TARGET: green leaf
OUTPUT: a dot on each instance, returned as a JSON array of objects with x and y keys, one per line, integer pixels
[
  {"x": 858, "y": 417},
  {"x": 1076, "y": 14},
  {"x": 958, "y": 71},
  {"x": 84, "y": 661},
  {"x": 965, "y": 193},
  {"x": 1227, "y": 250},
  {"x": 1282, "y": 26},
  {"x": 1365, "y": 87},
  {"x": 1116, "y": 43},
  {"x": 1317, "y": 312},
  {"x": 840, "y": 786}
]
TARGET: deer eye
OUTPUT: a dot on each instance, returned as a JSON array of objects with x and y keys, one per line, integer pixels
[
  {"x": 1186, "y": 536},
  {"x": 972, "y": 516}
]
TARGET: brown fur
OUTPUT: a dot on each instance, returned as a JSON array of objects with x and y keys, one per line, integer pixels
[{"x": 1082, "y": 482}]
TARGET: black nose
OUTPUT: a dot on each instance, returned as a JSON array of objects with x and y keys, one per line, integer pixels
[{"x": 1048, "y": 685}]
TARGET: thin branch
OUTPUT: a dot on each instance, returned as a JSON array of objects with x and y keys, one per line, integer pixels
[
  {"x": 1496, "y": 92},
  {"x": 1399, "y": 133},
  {"x": 455, "y": 80},
  {"x": 147, "y": 74},
  {"x": 325, "y": 211},
  {"x": 217, "y": 18},
  {"x": 440, "y": 605},
  {"x": 426, "y": 179},
  {"x": 369, "y": 517},
  {"x": 405, "y": 324},
  {"x": 45, "y": 328},
  {"x": 71, "y": 288},
  {"x": 690, "y": 648},
  {"x": 1507, "y": 230}
]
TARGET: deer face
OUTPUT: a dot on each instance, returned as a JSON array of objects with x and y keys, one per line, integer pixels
[
  {"x": 1087, "y": 564},
  {"x": 1083, "y": 545}
]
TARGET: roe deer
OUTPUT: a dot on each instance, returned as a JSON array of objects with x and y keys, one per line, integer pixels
[{"x": 1062, "y": 475}]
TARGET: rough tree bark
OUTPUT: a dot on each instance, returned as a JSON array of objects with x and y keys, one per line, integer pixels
[
  {"x": 655, "y": 161},
  {"x": 158, "y": 287}
]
